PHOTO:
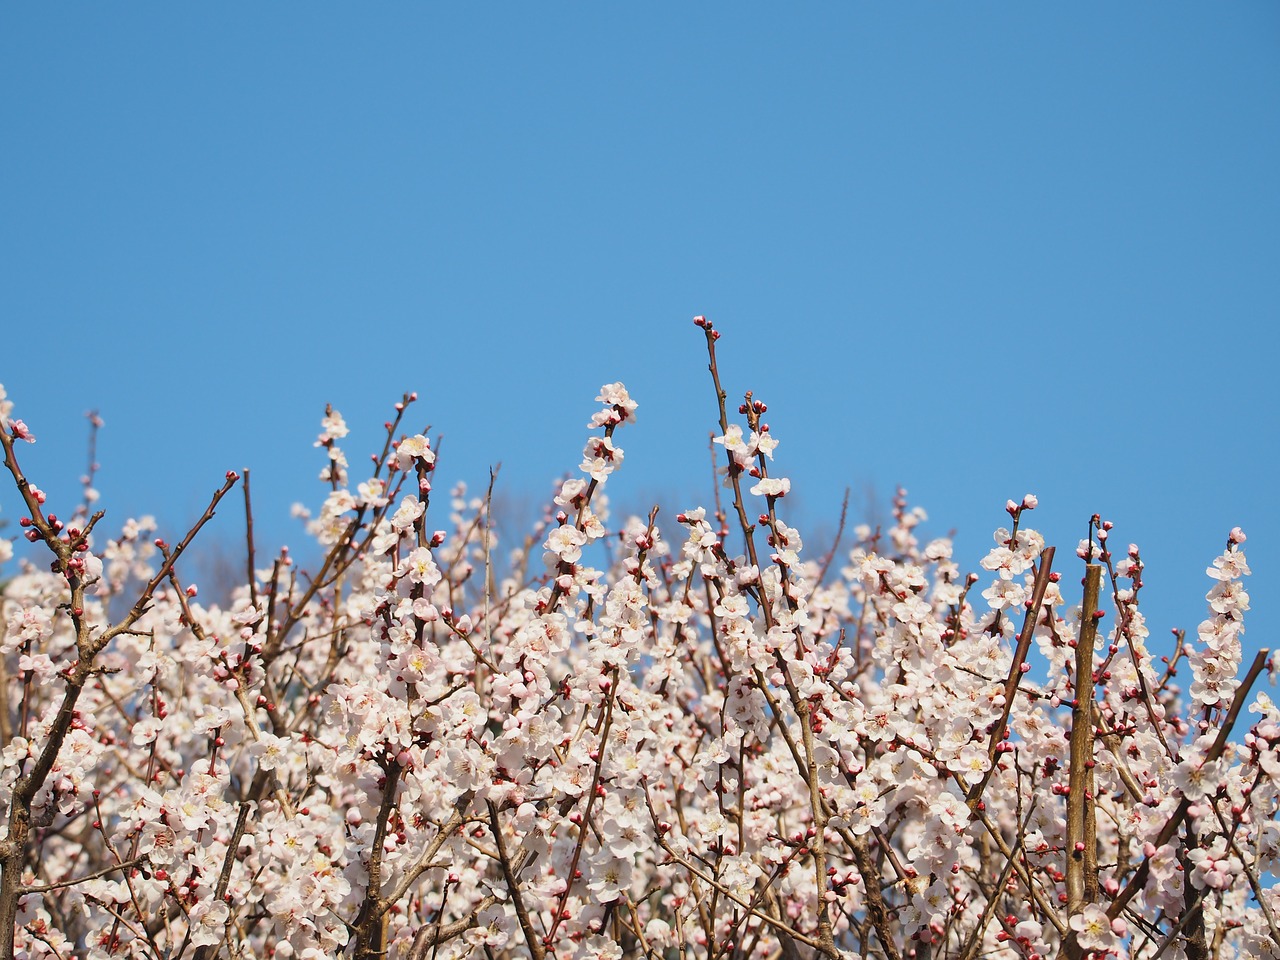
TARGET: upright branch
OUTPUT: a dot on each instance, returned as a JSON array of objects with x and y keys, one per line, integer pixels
[
  {"x": 251, "y": 559},
  {"x": 1017, "y": 668},
  {"x": 734, "y": 469},
  {"x": 1082, "y": 865}
]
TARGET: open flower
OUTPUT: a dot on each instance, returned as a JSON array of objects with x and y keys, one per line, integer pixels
[
  {"x": 772, "y": 487},
  {"x": 1093, "y": 929}
]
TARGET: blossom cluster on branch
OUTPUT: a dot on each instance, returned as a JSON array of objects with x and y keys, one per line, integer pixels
[{"x": 640, "y": 739}]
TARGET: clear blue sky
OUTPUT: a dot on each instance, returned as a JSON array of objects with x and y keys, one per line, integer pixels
[{"x": 978, "y": 250}]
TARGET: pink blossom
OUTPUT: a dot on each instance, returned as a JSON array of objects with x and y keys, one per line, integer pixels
[
  {"x": 772, "y": 487},
  {"x": 1093, "y": 928}
]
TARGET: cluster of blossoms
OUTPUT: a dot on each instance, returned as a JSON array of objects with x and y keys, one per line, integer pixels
[{"x": 611, "y": 744}]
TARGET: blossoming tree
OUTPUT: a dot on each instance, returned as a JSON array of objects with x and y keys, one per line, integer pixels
[{"x": 640, "y": 739}]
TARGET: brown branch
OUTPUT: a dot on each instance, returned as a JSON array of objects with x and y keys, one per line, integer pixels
[
  {"x": 728, "y": 894},
  {"x": 975, "y": 939},
  {"x": 531, "y": 939},
  {"x": 62, "y": 885},
  {"x": 974, "y": 796},
  {"x": 735, "y": 472},
  {"x": 144, "y": 601},
  {"x": 368, "y": 922},
  {"x": 250, "y": 552},
  {"x": 1082, "y": 866},
  {"x": 835, "y": 544},
  {"x": 1139, "y": 878},
  {"x": 876, "y": 910}
]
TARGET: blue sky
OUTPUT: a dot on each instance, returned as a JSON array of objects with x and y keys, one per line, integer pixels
[{"x": 976, "y": 250}]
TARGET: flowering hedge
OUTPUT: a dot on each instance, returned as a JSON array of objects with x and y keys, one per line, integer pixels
[{"x": 710, "y": 745}]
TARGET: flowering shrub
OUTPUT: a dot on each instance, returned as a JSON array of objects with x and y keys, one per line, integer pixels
[{"x": 711, "y": 745}]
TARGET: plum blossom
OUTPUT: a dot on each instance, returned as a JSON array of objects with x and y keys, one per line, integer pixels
[
  {"x": 566, "y": 542},
  {"x": 653, "y": 745},
  {"x": 733, "y": 443},
  {"x": 335, "y": 428},
  {"x": 492, "y": 930},
  {"x": 271, "y": 751},
  {"x": 611, "y": 878},
  {"x": 147, "y": 730},
  {"x": 772, "y": 487},
  {"x": 27, "y": 624},
  {"x": 415, "y": 449},
  {"x": 420, "y": 567},
  {"x": 600, "y": 458},
  {"x": 570, "y": 490},
  {"x": 1004, "y": 594},
  {"x": 207, "y": 919},
  {"x": 764, "y": 442},
  {"x": 408, "y": 513},
  {"x": 620, "y": 407},
  {"x": 1229, "y": 566},
  {"x": 1093, "y": 929}
]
